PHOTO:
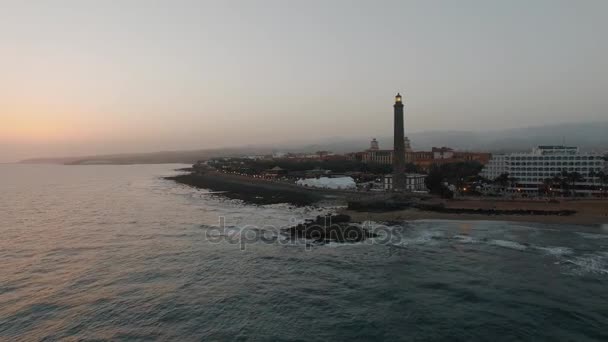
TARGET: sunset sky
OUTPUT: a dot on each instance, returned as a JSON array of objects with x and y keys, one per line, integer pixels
[{"x": 86, "y": 77}]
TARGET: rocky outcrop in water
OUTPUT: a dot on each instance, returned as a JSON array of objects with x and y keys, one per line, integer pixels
[{"x": 325, "y": 229}]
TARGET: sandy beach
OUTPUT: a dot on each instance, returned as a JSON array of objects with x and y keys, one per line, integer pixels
[{"x": 588, "y": 212}]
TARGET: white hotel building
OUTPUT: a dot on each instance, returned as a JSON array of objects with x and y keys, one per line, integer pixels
[{"x": 532, "y": 168}]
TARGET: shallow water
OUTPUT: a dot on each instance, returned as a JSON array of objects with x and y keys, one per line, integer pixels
[{"x": 116, "y": 252}]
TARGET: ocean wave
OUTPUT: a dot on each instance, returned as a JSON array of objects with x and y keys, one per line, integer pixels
[
  {"x": 590, "y": 263},
  {"x": 509, "y": 244},
  {"x": 556, "y": 251},
  {"x": 424, "y": 238},
  {"x": 343, "y": 244},
  {"x": 465, "y": 239},
  {"x": 592, "y": 235}
]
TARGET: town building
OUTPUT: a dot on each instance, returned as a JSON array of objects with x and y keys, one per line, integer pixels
[
  {"x": 423, "y": 160},
  {"x": 378, "y": 157},
  {"x": 408, "y": 144},
  {"x": 373, "y": 145},
  {"x": 275, "y": 172},
  {"x": 530, "y": 169},
  {"x": 442, "y": 153},
  {"x": 413, "y": 182}
]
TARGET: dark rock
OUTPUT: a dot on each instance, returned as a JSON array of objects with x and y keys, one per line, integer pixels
[
  {"x": 249, "y": 190},
  {"x": 380, "y": 205},
  {"x": 326, "y": 229},
  {"x": 479, "y": 211}
]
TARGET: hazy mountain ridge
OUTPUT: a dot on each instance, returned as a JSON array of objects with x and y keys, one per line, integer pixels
[
  {"x": 591, "y": 136},
  {"x": 588, "y": 136},
  {"x": 162, "y": 157}
]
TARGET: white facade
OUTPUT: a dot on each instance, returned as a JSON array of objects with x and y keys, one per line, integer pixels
[
  {"x": 408, "y": 144},
  {"x": 532, "y": 168},
  {"x": 373, "y": 145},
  {"x": 344, "y": 183},
  {"x": 442, "y": 153},
  {"x": 413, "y": 182}
]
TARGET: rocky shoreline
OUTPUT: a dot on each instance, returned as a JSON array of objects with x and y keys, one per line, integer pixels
[
  {"x": 397, "y": 207},
  {"x": 250, "y": 190},
  {"x": 331, "y": 228},
  {"x": 393, "y": 204}
]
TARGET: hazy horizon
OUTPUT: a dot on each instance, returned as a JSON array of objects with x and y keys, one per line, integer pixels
[{"x": 96, "y": 77}]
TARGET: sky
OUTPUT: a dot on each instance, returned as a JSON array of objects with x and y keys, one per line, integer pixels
[{"x": 105, "y": 76}]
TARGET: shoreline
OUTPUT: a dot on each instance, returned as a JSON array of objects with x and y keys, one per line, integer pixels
[
  {"x": 258, "y": 191},
  {"x": 586, "y": 212},
  {"x": 418, "y": 215},
  {"x": 262, "y": 192}
]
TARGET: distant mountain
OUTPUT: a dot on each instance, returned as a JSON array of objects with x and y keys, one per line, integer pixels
[
  {"x": 163, "y": 157},
  {"x": 588, "y": 136}
]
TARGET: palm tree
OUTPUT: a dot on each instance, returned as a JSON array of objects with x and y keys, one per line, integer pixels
[
  {"x": 603, "y": 178},
  {"x": 592, "y": 175},
  {"x": 567, "y": 182},
  {"x": 512, "y": 181},
  {"x": 547, "y": 186},
  {"x": 573, "y": 178},
  {"x": 563, "y": 181},
  {"x": 502, "y": 180}
]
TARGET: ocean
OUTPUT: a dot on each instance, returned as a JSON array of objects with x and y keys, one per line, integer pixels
[{"x": 119, "y": 253}]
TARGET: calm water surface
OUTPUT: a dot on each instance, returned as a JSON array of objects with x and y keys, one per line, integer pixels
[{"x": 118, "y": 253}]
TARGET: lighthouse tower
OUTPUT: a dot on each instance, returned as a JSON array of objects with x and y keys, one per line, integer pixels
[{"x": 399, "y": 146}]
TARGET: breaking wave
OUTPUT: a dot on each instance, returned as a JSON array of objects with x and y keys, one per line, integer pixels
[{"x": 509, "y": 244}]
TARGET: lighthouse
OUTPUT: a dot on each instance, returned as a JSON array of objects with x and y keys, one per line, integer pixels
[{"x": 399, "y": 146}]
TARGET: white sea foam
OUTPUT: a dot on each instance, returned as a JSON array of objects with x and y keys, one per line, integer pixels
[
  {"x": 424, "y": 238},
  {"x": 592, "y": 235},
  {"x": 333, "y": 244},
  {"x": 508, "y": 244},
  {"x": 556, "y": 251},
  {"x": 465, "y": 239},
  {"x": 590, "y": 263}
]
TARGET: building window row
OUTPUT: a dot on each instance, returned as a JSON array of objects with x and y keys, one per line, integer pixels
[
  {"x": 584, "y": 163},
  {"x": 553, "y": 158}
]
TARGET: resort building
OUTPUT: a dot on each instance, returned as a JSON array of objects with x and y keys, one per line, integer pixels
[{"x": 529, "y": 170}]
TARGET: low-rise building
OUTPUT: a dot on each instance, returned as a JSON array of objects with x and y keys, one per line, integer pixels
[
  {"x": 275, "y": 172},
  {"x": 442, "y": 153},
  {"x": 413, "y": 182},
  {"x": 378, "y": 157},
  {"x": 424, "y": 160}
]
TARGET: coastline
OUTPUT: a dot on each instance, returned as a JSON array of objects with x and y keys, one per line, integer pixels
[
  {"x": 260, "y": 191},
  {"x": 415, "y": 215},
  {"x": 256, "y": 190},
  {"x": 587, "y": 212}
]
